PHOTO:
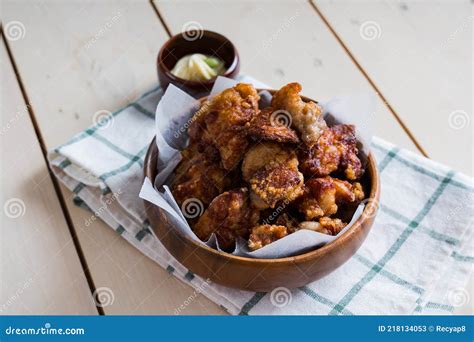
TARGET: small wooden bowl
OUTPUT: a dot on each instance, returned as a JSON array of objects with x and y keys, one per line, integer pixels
[
  {"x": 262, "y": 275},
  {"x": 196, "y": 41}
]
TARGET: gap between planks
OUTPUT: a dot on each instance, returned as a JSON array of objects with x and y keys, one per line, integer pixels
[
  {"x": 351, "y": 56},
  {"x": 367, "y": 77},
  {"x": 168, "y": 31},
  {"x": 56, "y": 186},
  {"x": 161, "y": 18}
]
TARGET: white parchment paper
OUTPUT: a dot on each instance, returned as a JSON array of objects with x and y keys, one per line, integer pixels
[{"x": 173, "y": 116}]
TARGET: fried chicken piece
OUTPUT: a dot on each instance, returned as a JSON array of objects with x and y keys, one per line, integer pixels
[
  {"x": 229, "y": 216},
  {"x": 198, "y": 176},
  {"x": 265, "y": 234},
  {"x": 306, "y": 117},
  {"x": 336, "y": 150},
  {"x": 325, "y": 225},
  {"x": 269, "y": 186},
  {"x": 272, "y": 125},
  {"x": 221, "y": 121},
  {"x": 289, "y": 222},
  {"x": 347, "y": 192},
  {"x": 323, "y": 195},
  {"x": 261, "y": 155},
  {"x": 272, "y": 172},
  {"x": 319, "y": 198}
]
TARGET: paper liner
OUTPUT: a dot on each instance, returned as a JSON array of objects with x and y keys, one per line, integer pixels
[{"x": 173, "y": 116}]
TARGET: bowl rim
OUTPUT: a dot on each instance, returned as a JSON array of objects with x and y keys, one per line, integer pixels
[
  {"x": 310, "y": 255},
  {"x": 161, "y": 65}
]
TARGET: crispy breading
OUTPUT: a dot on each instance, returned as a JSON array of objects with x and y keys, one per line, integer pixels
[
  {"x": 261, "y": 155},
  {"x": 272, "y": 185},
  {"x": 272, "y": 172},
  {"x": 319, "y": 198},
  {"x": 336, "y": 150},
  {"x": 229, "y": 216},
  {"x": 265, "y": 234},
  {"x": 288, "y": 221},
  {"x": 271, "y": 125},
  {"x": 347, "y": 192},
  {"x": 277, "y": 145},
  {"x": 221, "y": 120},
  {"x": 306, "y": 117},
  {"x": 323, "y": 195},
  {"x": 325, "y": 225},
  {"x": 198, "y": 176}
]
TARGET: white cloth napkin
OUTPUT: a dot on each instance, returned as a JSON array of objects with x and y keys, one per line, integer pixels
[{"x": 416, "y": 259}]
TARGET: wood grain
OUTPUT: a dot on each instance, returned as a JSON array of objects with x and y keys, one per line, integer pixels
[
  {"x": 75, "y": 60},
  {"x": 284, "y": 42},
  {"x": 420, "y": 58},
  {"x": 40, "y": 270}
]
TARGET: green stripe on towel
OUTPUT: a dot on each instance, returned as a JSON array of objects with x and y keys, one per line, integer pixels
[
  {"x": 322, "y": 299},
  {"x": 257, "y": 297},
  {"x": 394, "y": 248}
]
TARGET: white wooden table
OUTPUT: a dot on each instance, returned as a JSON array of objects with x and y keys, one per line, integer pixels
[{"x": 63, "y": 61}]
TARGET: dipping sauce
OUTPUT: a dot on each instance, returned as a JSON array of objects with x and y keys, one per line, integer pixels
[{"x": 198, "y": 67}]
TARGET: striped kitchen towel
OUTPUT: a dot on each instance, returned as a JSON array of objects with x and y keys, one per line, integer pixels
[{"x": 416, "y": 259}]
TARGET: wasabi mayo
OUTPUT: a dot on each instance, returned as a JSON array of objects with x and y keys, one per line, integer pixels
[{"x": 198, "y": 67}]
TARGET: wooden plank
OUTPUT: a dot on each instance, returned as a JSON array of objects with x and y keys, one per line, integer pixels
[
  {"x": 75, "y": 60},
  {"x": 292, "y": 44},
  {"x": 40, "y": 270},
  {"x": 282, "y": 42},
  {"x": 421, "y": 62},
  {"x": 419, "y": 55}
]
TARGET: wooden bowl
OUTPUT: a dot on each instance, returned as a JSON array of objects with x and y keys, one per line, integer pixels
[
  {"x": 262, "y": 275},
  {"x": 196, "y": 41}
]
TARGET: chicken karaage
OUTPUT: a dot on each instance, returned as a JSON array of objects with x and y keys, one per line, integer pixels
[
  {"x": 229, "y": 216},
  {"x": 325, "y": 225},
  {"x": 221, "y": 122},
  {"x": 271, "y": 125},
  {"x": 265, "y": 173},
  {"x": 306, "y": 117},
  {"x": 272, "y": 172},
  {"x": 265, "y": 234},
  {"x": 335, "y": 150},
  {"x": 322, "y": 196},
  {"x": 199, "y": 176}
]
